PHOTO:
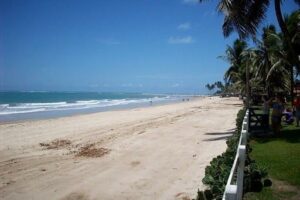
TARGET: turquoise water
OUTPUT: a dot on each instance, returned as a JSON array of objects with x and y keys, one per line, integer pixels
[
  {"x": 27, "y": 105},
  {"x": 48, "y": 97}
]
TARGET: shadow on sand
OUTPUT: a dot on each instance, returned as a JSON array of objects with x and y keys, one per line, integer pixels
[
  {"x": 217, "y": 138},
  {"x": 229, "y": 132}
]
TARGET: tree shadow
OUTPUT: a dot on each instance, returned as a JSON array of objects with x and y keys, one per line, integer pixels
[
  {"x": 288, "y": 135},
  {"x": 217, "y": 138},
  {"x": 229, "y": 132},
  {"x": 235, "y": 104}
]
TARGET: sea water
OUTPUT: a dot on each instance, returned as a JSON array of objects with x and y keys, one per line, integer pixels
[{"x": 37, "y": 105}]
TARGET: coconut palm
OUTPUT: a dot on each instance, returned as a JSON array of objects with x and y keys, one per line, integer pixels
[
  {"x": 234, "y": 58},
  {"x": 279, "y": 53},
  {"x": 292, "y": 22},
  {"x": 261, "y": 57},
  {"x": 235, "y": 75},
  {"x": 210, "y": 87},
  {"x": 245, "y": 16},
  {"x": 242, "y": 16},
  {"x": 271, "y": 58}
]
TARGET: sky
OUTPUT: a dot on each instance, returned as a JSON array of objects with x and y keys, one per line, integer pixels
[{"x": 156, "y": 46}]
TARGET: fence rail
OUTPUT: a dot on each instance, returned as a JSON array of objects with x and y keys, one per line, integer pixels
[{"x": 234, "y": 186}]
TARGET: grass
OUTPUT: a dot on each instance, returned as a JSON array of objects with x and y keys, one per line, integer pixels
[
  {"x": 281, "y": 157},
  {"x": 271, "y": 194}
]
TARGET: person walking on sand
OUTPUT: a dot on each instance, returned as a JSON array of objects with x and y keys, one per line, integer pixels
[{"x": 278, "y": 108}]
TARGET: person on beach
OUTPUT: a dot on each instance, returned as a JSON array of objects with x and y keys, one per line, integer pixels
[
  {"x": 278, "y": 108},
  {"x": 288, "y": 116},
  {"x": 296, "y": 105}
]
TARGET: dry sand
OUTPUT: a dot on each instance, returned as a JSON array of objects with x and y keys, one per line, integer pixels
[{"x": 157, "y": 152}]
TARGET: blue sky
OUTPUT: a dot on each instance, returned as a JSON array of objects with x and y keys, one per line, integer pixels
[{"x": 116, "y": 45}]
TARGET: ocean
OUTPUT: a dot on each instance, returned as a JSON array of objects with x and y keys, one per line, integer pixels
[{"x": 40, "y": 105}]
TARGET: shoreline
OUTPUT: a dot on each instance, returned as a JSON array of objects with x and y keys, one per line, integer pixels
[
  {"x": 157, "y": 152},
  {"x": 36, "y": 116}
]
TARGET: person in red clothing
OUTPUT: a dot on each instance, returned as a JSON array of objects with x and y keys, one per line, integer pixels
[{"x": 296, "y": 105}]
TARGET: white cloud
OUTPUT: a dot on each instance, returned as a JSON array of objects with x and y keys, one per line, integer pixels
[
  {"x": 190, "y": 1},
  {"x": 184, "y": 26},
  {"x": 181, "y": 40},
  {"x": 108, "y": 41}
]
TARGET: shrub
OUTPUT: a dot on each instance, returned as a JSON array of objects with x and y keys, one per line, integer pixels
[{"x": 217, "y": 173}]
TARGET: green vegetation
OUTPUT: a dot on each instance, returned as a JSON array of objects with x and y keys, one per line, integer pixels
[
  {"x": 268, "y": 62},
  {"x": 216, "y": 174},
  {"x": 270, "y": 66},
  {"x": 219, "y": 85},
  {"x": 280, "y": 156}
]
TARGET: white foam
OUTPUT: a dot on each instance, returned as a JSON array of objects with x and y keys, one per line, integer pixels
[
  {"x": 6, "y": 109},
  {"x": 20, "y": 112}
]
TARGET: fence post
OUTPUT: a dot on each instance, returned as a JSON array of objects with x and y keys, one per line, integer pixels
[
  {"x": 230, "y": 192},
  {"x": 244, "y": 137},
  {"x": 240, "y": 171},
  {"x": 235, "y": 191},
  {"x": 245, "y": 125}
]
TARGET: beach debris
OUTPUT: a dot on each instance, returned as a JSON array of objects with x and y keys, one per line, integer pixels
[
  {"x": 90, "y": 150},
  {"x": 56, "y": 144},
  {"x": 43, "y": 169},
  {"x": 135, "y": 163},
  {"x": 182, "y": 196},
  {"x": 76, "y": 196},
  {"x": 10, "y": 182},
  {"x": 141, "y": 132}
]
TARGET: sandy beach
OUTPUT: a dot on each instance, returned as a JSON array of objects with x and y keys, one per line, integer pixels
[{"x": 157, "y": 152}]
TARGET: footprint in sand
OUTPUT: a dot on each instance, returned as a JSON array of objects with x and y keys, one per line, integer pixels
[
  {"x": 76, "y": 196},
  {"x": 135, "y": 163}
]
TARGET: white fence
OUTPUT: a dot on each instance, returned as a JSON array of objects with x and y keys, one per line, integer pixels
[{"x": 234, "y": 186}]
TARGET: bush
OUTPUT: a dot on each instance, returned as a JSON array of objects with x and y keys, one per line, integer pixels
[{"x": 217, "y": 173}]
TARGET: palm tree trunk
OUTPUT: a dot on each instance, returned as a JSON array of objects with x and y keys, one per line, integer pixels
[
  {"x": 267, "y": 85},
  {"x": 287, "y": 38}
]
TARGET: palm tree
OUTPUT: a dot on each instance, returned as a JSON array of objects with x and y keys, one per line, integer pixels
[
  {"x": 245, "y": 16},
  {"x": 270, "y": 59},
  {"x": 210, "y": 86},
  {"x": 261, "y": 57},
  {"x": 280, "y": 52},
  {"x": 234, "y": 56},
  {"x": 242, "y": 16},
  {"x": 292, "y": 22}
]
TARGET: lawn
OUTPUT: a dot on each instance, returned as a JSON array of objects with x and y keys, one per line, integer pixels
[{"x": 281, "y": 157}]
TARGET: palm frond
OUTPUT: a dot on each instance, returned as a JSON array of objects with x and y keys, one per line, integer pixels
[{"x": 277, "y": 65}]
